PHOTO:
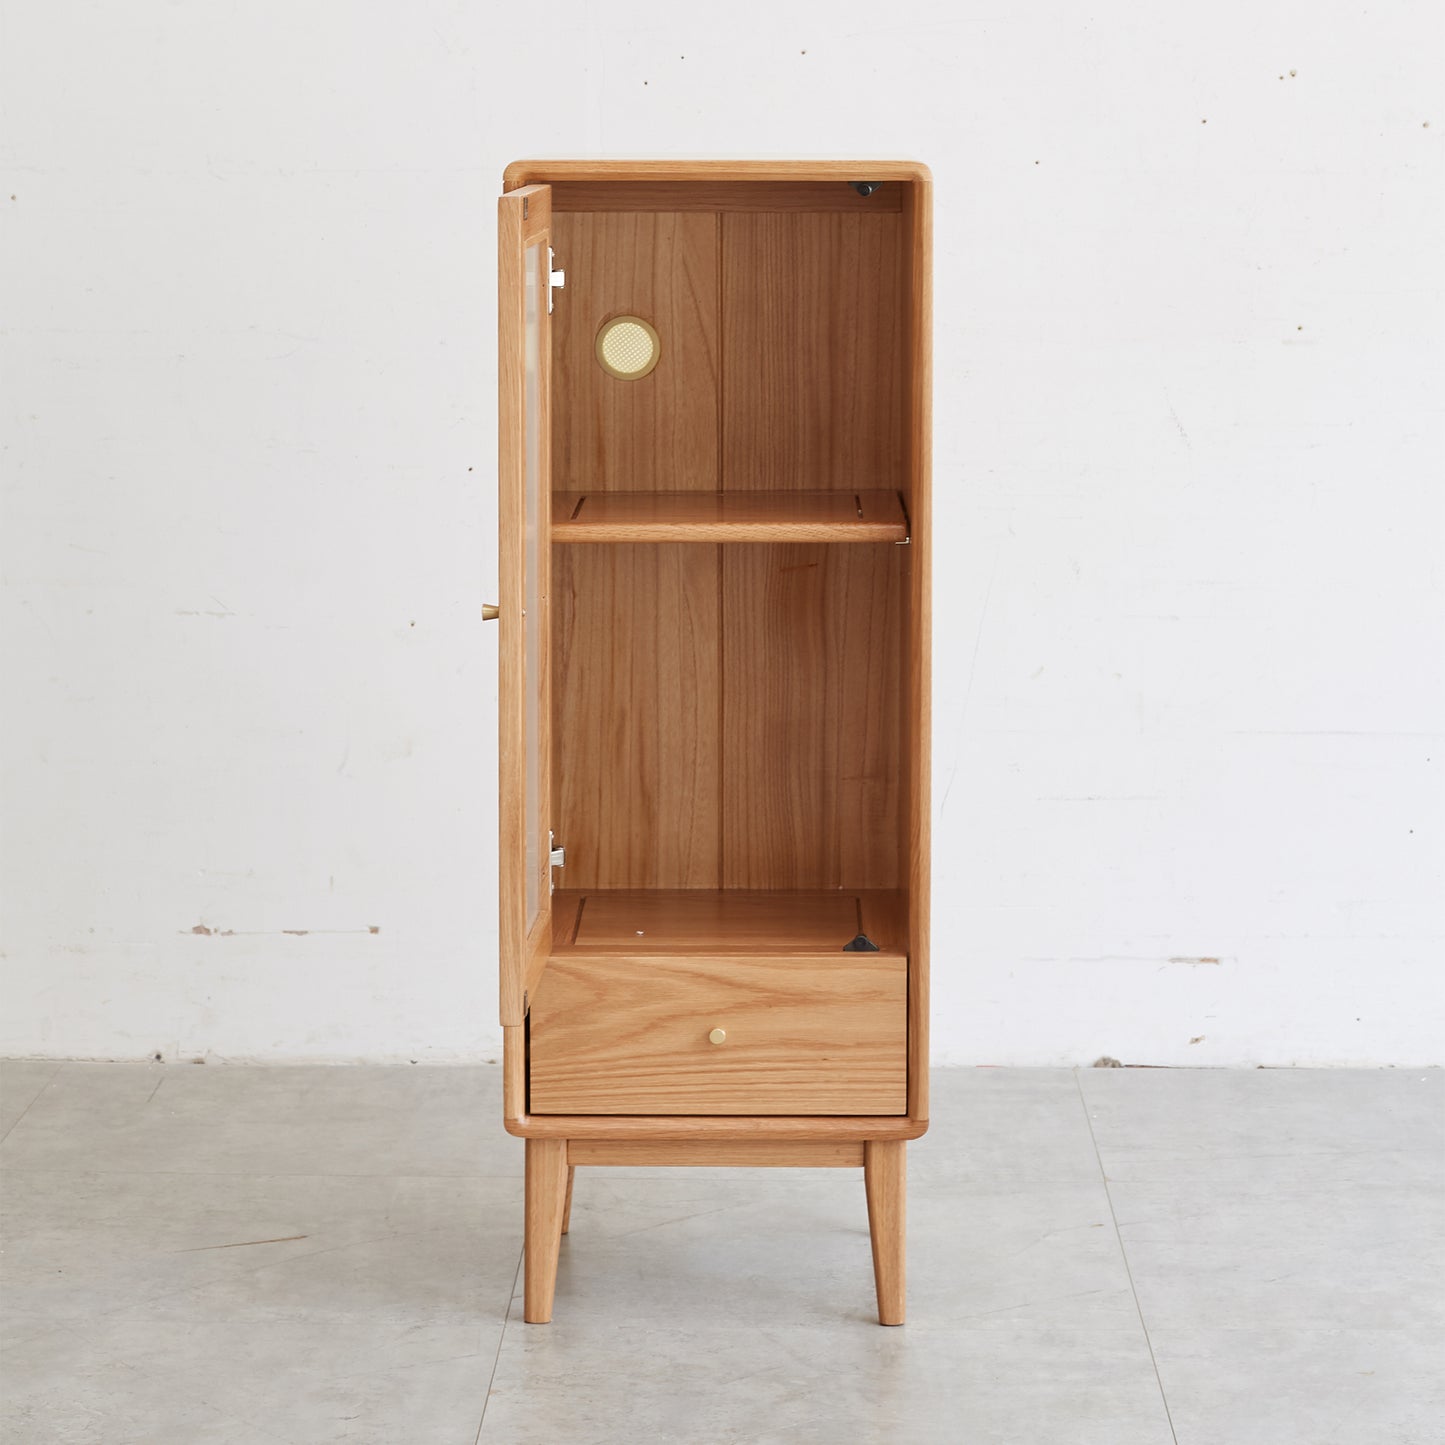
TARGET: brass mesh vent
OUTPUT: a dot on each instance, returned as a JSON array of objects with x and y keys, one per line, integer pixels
[{"x": 627, "y": 347}]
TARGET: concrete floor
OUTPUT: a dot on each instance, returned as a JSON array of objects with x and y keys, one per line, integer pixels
[{"x": 1129, "y": 1257}]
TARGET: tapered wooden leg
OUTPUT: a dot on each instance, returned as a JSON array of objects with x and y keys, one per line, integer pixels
[
  {"x": 567, "y": 1207},
  {"x": 546, "y": 1200},
  {"x": 885, "y": 1176}
]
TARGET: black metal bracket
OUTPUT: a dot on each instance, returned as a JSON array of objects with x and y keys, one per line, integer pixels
[{"x": 861, "y": 944}]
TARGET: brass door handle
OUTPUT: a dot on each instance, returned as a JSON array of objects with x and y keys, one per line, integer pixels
[
  {"x": 490, "y": 612},
  {"x": 717, "y": 1036}
]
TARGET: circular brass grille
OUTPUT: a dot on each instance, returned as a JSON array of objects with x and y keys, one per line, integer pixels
[{"x": 627, "y": 347}]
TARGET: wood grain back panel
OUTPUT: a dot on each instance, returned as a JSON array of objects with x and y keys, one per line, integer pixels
[
  {"x": 812, "y": 787},
  {"x": 636, "y": 694},
  {"x": 813, "y": 333},
  {"x": 659, "y": 433}
]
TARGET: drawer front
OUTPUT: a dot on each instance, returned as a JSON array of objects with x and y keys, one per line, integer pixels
[{"x": 695, "y": 1035}]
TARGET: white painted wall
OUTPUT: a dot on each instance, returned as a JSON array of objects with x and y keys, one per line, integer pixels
[{"x": 1189, "y": 698}]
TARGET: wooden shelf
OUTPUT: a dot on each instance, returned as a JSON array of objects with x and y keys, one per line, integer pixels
[
  {"x": 777, "y": 516},
  {"x": 725, "y": 920}
]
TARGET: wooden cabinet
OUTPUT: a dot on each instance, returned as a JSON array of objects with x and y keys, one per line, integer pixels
[{"x": 714, "y": 497}]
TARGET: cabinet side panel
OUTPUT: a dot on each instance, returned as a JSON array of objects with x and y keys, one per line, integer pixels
[
  {"x": 636, "y": 696},
  {"x": 812, "y": 783},
  {"x": 918, "y": 217},
  {"x": 813, "y": 351},
  {"x": 659, "y": 433}
]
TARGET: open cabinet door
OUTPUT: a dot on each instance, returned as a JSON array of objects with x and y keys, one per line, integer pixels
[{"x": 524, "y": 492}]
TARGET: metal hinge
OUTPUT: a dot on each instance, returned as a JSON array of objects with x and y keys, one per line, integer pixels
[
  {"x": 556, "y": 281},
  {"x": 556, "y": 858}
]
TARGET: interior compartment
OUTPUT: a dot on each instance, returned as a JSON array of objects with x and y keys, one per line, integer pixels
[
  {"x": 729, "y": 716},
  {"x": 730, "y": 596},
  {"x": 781, "y": 316},
  {"x": 731, "y": 920}
]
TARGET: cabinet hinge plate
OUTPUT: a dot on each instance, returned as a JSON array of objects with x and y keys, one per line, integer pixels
[{"x": 556, "y": 280}]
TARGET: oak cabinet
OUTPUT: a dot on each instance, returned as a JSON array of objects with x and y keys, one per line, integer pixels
[{"x": 714, "y": 546}]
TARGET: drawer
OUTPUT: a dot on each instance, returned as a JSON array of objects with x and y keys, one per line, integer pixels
[{"x": 784, "y": 1034}]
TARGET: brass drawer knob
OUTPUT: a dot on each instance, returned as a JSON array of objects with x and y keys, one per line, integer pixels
[
  {"x": 717, "y": 1036},
  {"x": 490, "y": 612}
]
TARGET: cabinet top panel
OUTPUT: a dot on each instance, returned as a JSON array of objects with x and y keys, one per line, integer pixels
[{"x": 527, "y": 173}]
